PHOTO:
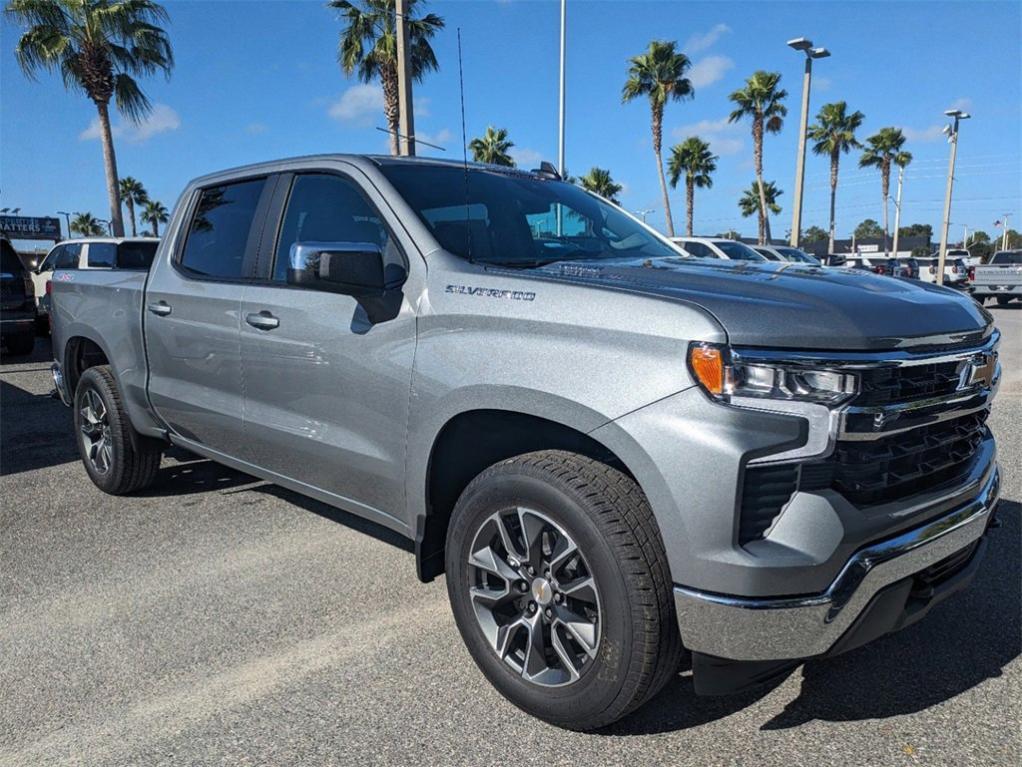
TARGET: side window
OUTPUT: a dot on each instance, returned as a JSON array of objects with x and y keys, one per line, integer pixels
[
  {"x": 68, "y": 257},
  {"x": 101, "y": 254},
  {"x": 697, "y": 249},
  {"x": 48, "y": 263},
  {"x": 327, "y": 208},
  {"x": 219, "y": 231}
]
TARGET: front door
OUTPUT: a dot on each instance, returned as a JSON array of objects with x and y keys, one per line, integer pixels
[
  {"x": 327, "y": 389},
  {"x": 192, "y": 317}
]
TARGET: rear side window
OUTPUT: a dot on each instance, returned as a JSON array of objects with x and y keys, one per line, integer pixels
[
  {"x": 219, "y": 231},
  {"x": 327, "y": 208},
  {"x": 102, "y": 254},
  {"x": 698, "y": 250},
  {"x": 136, "y": 255},
  {"x": 1007, "y": 257},
  {"x": 9, "y": 261}
]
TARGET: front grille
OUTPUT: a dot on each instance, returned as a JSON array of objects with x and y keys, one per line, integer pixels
[
  {"x": 888, "y": 469},
  {"x": 765, "y": 492},
  {"x": 887, "y": 385}
]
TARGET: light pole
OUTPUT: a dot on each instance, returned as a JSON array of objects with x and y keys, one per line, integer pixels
[
  {"x": 806, "y": 46},
  {"x": 952, "y": 134},
  {"x": 67, "y": 217},
  {"x": 897, "y": 208},
  {"x": 1004, "y": 234}
]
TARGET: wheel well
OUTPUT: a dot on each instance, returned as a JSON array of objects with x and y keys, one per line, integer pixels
[
  {"x": 470, "y": 443},
  {"x": 81, "y": 354}
]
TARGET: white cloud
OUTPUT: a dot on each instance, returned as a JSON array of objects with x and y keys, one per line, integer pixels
[
  {"x": 821, "y": 83},
  {"x": 702, "y": 41},
  {"x": 709, "y": 70},
  {"x": 160, "y": 120},
  {"x": 932, "y": 133},
  {"x": 256, "y": 128},
  {"x": 360, "y": 103},
  {"x": 441, "y": 138},
  {"x": 526, "y": 158},
  {"x": 724, "y": 138}
]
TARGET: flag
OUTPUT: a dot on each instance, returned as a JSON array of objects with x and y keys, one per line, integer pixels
[{"x": 997, "y": 224}]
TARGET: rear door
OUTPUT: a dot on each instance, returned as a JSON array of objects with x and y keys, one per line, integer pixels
[
  {"x": 192, "y": 314},
  {"x": 327, "y": 390}
]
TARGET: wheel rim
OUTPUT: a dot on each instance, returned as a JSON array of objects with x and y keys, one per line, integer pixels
[
  {"x": 95, "y": 428},
  {"x": 534, "y": 597}
]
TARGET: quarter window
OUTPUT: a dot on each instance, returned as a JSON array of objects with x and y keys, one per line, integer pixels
[
  {"x": 102, "y": 254},
  {"x": 218, "y": 236},
  {"x": 328, "y": 208}
]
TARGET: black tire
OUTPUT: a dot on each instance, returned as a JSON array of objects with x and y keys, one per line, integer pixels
[
  {"x": 21, "y": 345},
  {"x": 609, "y": 518},
  {"x": 1003, "y": 300},
  {"x": 133, "y": 460}
]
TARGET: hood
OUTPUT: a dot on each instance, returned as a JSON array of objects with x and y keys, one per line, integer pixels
[{"x": 795, "y": 306}]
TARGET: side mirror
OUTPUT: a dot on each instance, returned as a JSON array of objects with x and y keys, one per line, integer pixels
[{"x": 350, "y": 268}]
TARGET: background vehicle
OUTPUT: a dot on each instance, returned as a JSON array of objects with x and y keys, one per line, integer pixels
[
  {"x": 785, "y": 253},
  {"x": 925, "y": 269},
  {"x": 92, "y": 253},
  {"x": 714, "y": 247},
  {"x": 1000, "y": 279},
  {"x": 780, "y": 466},
  {"x": 17, "y": 304}
]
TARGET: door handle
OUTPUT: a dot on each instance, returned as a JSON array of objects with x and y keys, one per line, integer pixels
[
  {"x": 263, "y": 320},
  {"x": 161, "y": 308}
]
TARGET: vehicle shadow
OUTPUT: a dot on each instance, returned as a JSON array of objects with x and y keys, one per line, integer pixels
[
  {"x": 966, "y": 640},
  {"x": 190, "y": 473},
  {"x": 35, "y": 431}
]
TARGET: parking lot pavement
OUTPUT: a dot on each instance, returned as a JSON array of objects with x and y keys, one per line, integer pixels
[{"x": 216, "y": 619}]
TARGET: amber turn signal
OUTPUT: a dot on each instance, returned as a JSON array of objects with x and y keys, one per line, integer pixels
[{"x": 707, "y": 364}]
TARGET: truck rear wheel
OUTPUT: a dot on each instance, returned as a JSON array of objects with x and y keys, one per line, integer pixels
[
  {"x": 559, "y": 584},
  {"x": 117, "y": 459}
]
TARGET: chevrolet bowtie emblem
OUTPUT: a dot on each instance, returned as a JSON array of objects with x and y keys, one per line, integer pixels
[{"x": 979, "y": 371}]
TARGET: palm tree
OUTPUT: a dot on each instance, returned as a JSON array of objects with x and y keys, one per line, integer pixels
[
  {"x": 492, "y": 147},
  {"x": 659, "y": 74},
  {"x": 693, "y": 159},
  {"x": 752, "y": 198},
  {"x": 599, "y": 181},
  {"x": 368, "y": 47},
  {"x": 99, "y": 47},
  {"x": 834, "y": 133},
  {"x": 881, "y": 151},
  {"x": 132, "y": 193},
  {"x": 155, "y": 213},
  {"x": 87, "y": 225},
  {"x": 761, "y": 100}
]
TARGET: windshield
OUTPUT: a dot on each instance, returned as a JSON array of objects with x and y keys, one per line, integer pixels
[
  {"x": 768, "y": 255},
  {"x": 736, "y": 251},
  {"x": 516, "y": 219},
  {"x": 794, "y": 254},
  {"x": 1007, "y": 257}
]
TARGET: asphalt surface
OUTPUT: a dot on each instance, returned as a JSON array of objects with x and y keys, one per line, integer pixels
[{"x": 216, "y": 619}]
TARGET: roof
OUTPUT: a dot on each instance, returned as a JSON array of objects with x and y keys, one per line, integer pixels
[{"x": 107, "y": 239}]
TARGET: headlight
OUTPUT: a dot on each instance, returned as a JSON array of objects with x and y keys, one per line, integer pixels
[{"x": 724, "y": 376}]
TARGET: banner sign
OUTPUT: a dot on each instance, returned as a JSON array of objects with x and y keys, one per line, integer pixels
[{"x": 31, "y": 228}]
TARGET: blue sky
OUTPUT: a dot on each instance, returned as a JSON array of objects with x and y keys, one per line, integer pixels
[{"x": 259, "y": 80}]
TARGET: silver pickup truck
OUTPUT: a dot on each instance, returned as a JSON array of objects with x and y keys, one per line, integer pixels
[
  {"x": 1000, "y": 279},
  {"x": 623, "y": 458}
]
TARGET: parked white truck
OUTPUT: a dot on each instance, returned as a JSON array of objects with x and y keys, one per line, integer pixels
[{"x": 1000, "y": 279}]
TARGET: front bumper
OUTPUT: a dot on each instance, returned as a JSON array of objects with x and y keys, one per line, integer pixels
[{"x": 800, "y": 627}]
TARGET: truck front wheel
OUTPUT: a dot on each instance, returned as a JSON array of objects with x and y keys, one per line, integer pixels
[
  {"x": 559, "y": 584},
  {"x": 117, "y": 459}
]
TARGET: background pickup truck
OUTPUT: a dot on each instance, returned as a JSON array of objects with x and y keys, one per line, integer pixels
[
  {"x": 1000, "y": 279},
  {"x": 622, "y": 457}
]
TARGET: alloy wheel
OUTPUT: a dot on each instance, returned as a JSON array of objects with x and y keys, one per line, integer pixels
[
  {"x": 534, "y": 597},
  {"x": 95, "y": 428}
]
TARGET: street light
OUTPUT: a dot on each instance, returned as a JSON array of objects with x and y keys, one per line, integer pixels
[
  {"x": 951, "y": 130},
  {"x": 806, "y": 46},
  {"x": 644, "y": 213},
  {"x": 67, "y": 216}
]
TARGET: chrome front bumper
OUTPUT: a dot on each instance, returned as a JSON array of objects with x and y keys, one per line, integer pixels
[{"x": 764, "y": 629}]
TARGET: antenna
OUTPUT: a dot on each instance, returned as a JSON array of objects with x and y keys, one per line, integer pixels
[{"x": 464, "y": 148}]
